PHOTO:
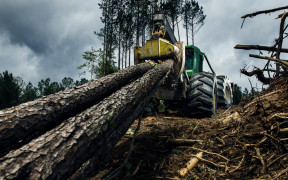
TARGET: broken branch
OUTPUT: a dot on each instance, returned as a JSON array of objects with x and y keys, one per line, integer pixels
[
  {"x": 259, "y": 74},
  {"x": 197, "y": 149},
  {"x": 264, "y": 12},
  {"x": 281, "y": 61},
  {"x": 257, "y": 47},
  {"x": 192, "y": 163}
]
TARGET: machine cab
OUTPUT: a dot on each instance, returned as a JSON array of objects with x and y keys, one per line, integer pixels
[{"x": 193, "y": 60}]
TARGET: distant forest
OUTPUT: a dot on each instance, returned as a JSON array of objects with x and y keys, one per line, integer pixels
[{"x": 14, "y": 91}]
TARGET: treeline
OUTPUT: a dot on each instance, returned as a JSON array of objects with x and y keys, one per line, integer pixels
[
  {"x": 14, "y": 91},
  {"x": 238, "y": 95},
  {"x": 128, "y": 23}
]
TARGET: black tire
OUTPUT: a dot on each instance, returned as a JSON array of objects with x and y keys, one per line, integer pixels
[
  {"x": 224, "y": 92},
  {"x": 202, "y": 94}
]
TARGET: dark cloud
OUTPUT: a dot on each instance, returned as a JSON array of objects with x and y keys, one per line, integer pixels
[
  {"x": 28, "y": 23},
  {"x": 54, "y": 34},
  {"x": 222, "y": 32},
  {"x": 40, "y": 39}
]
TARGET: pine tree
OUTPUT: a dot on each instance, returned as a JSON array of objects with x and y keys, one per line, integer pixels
[
  {"x": 237, "y": 94},
  {"x": 193, "y": 17},
  {"x": 9, "y": 90}
]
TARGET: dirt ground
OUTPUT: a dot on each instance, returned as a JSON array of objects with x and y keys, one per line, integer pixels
[{"x": 248, "y": 141}]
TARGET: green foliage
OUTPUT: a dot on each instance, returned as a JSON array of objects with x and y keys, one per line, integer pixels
[
  {"x": 9, "y": 90},
  {"x": 161, "y": 106},
  {"x": 67, "y": 83},
  {"x": 46, "y": 88},
  {"x": 173, "y": 10},
  {"x": 237, "y": 94},
  {"x": 91, "y": 57},
  {"x": 29, "y": 93},
  {"x": 82, "y": 81},
  {"x": 103, "y": 69},
  {"x": 248, "y": 94},
  {"x": 193, "y": 18},
  {"x": 128, "y": 166},
  {"x": 13, "y": 90},
  {"x": 96, "y": 64}
]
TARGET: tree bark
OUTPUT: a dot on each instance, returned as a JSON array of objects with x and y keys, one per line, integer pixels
[
  {"x": 94, "y": 132},
  {"x": 257, "y": 47},
  {"x": 24, "y": 122}
]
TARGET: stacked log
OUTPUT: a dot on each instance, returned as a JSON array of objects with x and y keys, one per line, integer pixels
[
  {"x": 61, "y": 151},
  {"x": 22, "y": 123}
]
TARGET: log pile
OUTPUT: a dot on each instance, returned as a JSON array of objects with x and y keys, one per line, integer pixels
[
  {"x": 267, "y": 74},
  {"x": 24, "y": 122},
  {"x": 87, "y": 125}
]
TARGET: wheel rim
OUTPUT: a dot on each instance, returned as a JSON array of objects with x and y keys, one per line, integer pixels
[{"x": 227, "y": 94}]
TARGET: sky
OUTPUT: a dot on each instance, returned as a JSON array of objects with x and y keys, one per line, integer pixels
[{"x": 40, "y": 39}]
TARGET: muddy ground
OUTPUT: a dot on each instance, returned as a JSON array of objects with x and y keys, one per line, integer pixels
[{"x": 248, "y": 141}]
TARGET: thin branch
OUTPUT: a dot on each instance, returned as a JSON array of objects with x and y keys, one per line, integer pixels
[
  {"x": 214, "y": 164},
  {"x": 239, "y": 165},
  {"x": 197, "y": 149},
  {"x": 275, "y": 160},
  {"x": 282, "y": 172},
  {"x": 261, "y": 159},
  {"x": 264, "y": 12}
]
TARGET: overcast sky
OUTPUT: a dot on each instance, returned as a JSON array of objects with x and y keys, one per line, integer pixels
[{"x": 40, "y": 39}]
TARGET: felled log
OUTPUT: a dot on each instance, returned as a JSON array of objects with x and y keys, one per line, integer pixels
[
  {"x": 59, "y": 152},
  {"x": 257, "y": 47},
  {"x": 26, "y": 121}
]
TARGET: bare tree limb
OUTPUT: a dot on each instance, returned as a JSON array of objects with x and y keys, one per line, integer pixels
[
  {"x": 257, "y": 47},
  {"x": 264, "y": 12},
  {"x": 259, "y": 74},
  {"x": 280, "y": 61},
  {"x": 280, "y": 40}
]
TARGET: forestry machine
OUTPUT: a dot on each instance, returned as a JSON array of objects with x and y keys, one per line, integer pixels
[{"x": 201, "y": 92}]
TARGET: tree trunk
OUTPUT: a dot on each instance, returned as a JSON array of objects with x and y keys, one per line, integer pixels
[
  {"x": 129, "y": 56},
  {"x": 265, "y": 48},
  {"x": 22, "y": 123},
  {"x": 119, "y": 46},
  {"x": 137, "y": 22},
  {"x": 280, "y": 42},
  {"x": 192, "y": 31},
  {"x": 94, "y": 132},
  {"x": 186, "y": 24}
]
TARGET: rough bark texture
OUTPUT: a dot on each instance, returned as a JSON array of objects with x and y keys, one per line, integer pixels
[
  {"x": 59, "y": 152},
  {"x": 28, "y": 120}
]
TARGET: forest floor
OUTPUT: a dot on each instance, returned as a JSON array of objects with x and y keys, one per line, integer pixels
[{"x": 248, "y": 141}]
